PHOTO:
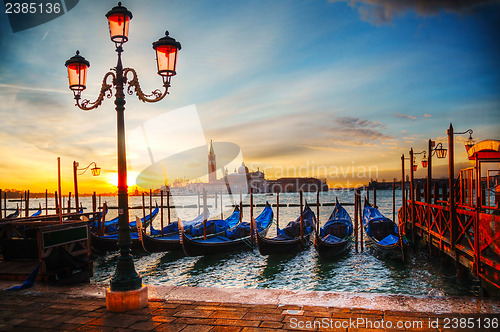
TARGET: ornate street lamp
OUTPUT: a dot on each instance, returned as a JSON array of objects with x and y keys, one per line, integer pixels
[
  {"x": 440, "y": 151},
  {"x": 125, "y": 279},
  {"x": 77, "y": 73},
  {"x": 470, "y": 142},
  {"x": 424, "y": 161}
]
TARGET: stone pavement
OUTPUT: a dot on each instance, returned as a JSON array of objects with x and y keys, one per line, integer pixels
[{"x": 82, "y": 308}]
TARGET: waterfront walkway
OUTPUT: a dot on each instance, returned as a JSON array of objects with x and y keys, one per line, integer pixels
[{"x": 82, "y": 308}]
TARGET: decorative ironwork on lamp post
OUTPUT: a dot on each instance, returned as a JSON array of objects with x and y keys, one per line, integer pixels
[{"x": 166, "y": 48}]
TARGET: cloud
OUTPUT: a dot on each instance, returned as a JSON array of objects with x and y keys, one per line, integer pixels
[
  {"x": 427, "y": 115},
  {"x": 348, "y": 132},
  {"x": 381, "y": 12},
  {"x": 406, "y": 116}
]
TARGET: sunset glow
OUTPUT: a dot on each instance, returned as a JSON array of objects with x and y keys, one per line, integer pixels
[{"x": 362, "y": 91}]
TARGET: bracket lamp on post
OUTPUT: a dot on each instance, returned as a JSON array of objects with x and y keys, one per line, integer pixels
[
  {"x": 439, "y": 151},
  {"x": 424, "y": 160},
  {"x": 96, "y": 171}
]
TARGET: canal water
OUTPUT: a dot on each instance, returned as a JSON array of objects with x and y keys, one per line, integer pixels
[{"x": 353, "y": 272}]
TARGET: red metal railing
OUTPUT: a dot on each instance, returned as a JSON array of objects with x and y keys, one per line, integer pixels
[{"x": 483, "y": 257}]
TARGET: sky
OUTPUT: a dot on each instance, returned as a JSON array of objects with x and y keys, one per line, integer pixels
[{"x": 332, "y": 89}]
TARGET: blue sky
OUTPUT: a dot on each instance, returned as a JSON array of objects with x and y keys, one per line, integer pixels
[{"x": 293, "y": 83}]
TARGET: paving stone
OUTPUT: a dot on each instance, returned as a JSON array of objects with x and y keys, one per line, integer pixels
[
  {"x": 144, "y": 326},
  {"x": 80, "y": 320},
  {"x": 274, "y": 311},
  {"x": 197, "y": 328},
  {"x": 195, "y": 321},
  {"x": 226, "y": 329},
  {"x": 163, "y": 319},
  {"x": 324, "y": 314},
  {"x": 237, "y": 322},
  {"x": 262, "y": 317},
  {"x": 194, "y": 313},
  {"x": 229, "y": 314},
  {"x": 260, "y": 329},
  {"x": 120, "y": 320},
  {"x": 169, "y": 327},
  {"x": 289, "y": 307},
  {"x": 272, "y": 325}
]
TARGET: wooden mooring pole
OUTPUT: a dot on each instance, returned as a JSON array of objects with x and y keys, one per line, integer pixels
[
  {"x": 199, "y": 207},
  {"x": 412, "y": 199},
  {"x": 221, "y": 207},
  {"x": 168, "y": 206},
  {"x": 204, "y": 214},
  {"x": 59, "y": 187},
  {"x": 374, "y": 188},
  {"x": 161, "y": 211},
  {"x": 150, "y": 211},
  {"x": 5, "y": 204},
  {"x": 356, "y": 224},
  {"x": 143, "y": 208},
  {"x": 394, "y": 200},
  {"x": 428, "y": 197},
  {"x": 317, "y": 212},
  {"x": 451, "y": 180},
  {"x": 27, "y": 204},
  {"x": 252, "y": 238},
  {"x": 403, "y": 200},
  {"x": 360, "y": 221},
  {"x": 46, "y": 202},
  {"x": 277, "y": 211},
  {"x": 1, "y": 209},
  {"x": 301, "y": 219}
]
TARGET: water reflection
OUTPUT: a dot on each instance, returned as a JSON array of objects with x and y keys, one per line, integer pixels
[{"x": 352, "y": 272}]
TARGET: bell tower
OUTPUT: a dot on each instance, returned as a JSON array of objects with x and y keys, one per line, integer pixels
[{"x": 212, "y": 170}]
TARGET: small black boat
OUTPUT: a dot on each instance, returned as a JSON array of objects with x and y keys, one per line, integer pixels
[
  {"x": 289, "y": 239},
  {"x": 383, "y": 232},
  {"x": 14, "y": 214},
  {"x": 171, "y": 241},
  {"x": 335, "y": 237},
  {"x": 236, "y": 239},
  {"x": 107, "y": 242}
]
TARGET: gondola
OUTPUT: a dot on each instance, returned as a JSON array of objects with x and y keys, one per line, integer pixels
[
  {"x": 289, "y": 239},
  {"x": 38, "y": 212},
  {"x": 335, "y": 237},
  {"x": 111, "y": 226},
  {"x": 108, "y": 242},
  {"x": 171, "y": 241},
  {"x": 235, "y": 239},
  {"x": 14, "y": 214},
  {"x": 383, "y": 233}
]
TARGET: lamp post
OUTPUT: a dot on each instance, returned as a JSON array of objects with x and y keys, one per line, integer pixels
[
  {"x": 95, "y": 172},
  {"x": 451, "y": 176},
  {"x": 125, "y": 279}
]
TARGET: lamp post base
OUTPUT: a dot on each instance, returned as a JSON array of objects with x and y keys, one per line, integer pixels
[{"x": 125, "y": 301}]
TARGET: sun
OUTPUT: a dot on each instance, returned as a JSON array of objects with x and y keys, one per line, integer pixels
[{"x": 113, "y": 179}]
